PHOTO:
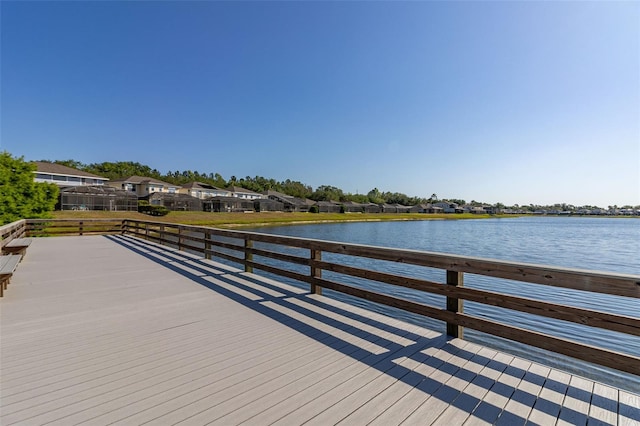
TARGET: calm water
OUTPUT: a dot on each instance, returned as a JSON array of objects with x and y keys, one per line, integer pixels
[{"x": 604, "y": 244}]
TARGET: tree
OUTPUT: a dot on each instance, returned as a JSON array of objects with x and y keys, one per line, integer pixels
[
  {"x": 327, "y": 193},
  {"x": 20, "y": 196},
  {"x": 375, "y": 196},
  {"x": 71, "y": 163}
]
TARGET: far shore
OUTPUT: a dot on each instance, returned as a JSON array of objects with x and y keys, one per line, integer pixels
[{"x": 235, "y": 220}]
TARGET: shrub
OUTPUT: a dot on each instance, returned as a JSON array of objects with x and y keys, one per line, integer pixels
[
  {"x": 20, "y": 196},
  {"x": 152, "y": 209},
  {"x": 314, "y": 209}
]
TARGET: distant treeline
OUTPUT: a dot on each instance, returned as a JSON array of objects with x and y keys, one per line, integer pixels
[{"x": 124, "y": 169}]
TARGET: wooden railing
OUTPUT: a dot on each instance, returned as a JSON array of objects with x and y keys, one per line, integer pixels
[
  {"x": 60, "y": 227},
  {"x": 12, "y": 230},
  {"x": 241, "y": 247}
]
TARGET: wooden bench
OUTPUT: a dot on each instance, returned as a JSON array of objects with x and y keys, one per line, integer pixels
[
  {"x": 8, "y": 265},
  {"x": 17, "y": 246}
]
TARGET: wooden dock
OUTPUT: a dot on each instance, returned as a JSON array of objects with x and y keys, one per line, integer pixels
[{"x": 115, "y": 330}]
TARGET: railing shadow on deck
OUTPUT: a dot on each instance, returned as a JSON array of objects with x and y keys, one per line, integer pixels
[{"x": 276, "y": 306}]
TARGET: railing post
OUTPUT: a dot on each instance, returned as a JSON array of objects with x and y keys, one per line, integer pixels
[
  {"x": 248, "y": 256},
  {"x": 123, "y": 227},
  {"x": 316, "y": 272},
  {"x": 80, "y": 227},
  {"x": 454, "y": 304},
  {"x": 162, "y": 234},
  {"x": 207, "y": 245},
  {"x": 180, "y": 238},
  {"x": 146, "y": 231}
]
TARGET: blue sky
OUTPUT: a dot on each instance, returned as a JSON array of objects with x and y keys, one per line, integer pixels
[{"x": 512, "y": 102}]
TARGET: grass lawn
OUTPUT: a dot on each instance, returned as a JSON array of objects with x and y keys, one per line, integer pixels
[{"x": 229, "y": 220}]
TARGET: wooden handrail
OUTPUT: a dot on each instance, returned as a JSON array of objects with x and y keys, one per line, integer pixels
[
  {"x": 59, "y": 227},
  {"x": 212, "y": 242},
  {"x": 12, "y": 230},
  {"x": 593, "y": 281}
]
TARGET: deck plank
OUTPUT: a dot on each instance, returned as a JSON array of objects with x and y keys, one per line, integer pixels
[
  {"x": 547, "y": 407},
  {"x": 629, "y": 411},
  {"x": 142, "y": 333},
  {"x": 604, "y": 405},
  {"x": 575, "y": 407}
]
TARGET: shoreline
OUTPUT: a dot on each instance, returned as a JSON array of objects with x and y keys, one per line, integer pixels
[
  {"x": 263, "y": 219},
  {"x": 268, "y": 219}
]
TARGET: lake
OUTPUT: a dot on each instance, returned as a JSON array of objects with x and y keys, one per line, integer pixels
[{"x": 593, "y": 243}]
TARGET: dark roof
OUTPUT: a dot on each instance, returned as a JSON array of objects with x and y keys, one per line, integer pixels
[
  {"x": 327, "y": 203},
  {"x": 289, "y": 199},
  {"x": 96, "y": 190},
  {"x": 59, "y": 169},
  {"x": 240, "y": 189},
  {"x": 200, "y": 185},
  {"x": 229, "y": 199},
  {"x": 277, "y": 194},
  {"x": 170, "y": 195},
  {"x": 142, "y": 179}
]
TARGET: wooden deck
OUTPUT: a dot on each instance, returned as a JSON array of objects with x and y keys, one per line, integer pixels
[{"x": 114, "y": 330}]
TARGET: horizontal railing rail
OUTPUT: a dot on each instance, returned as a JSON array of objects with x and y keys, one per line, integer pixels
[
  {"x": 252, "y": 249},
  {"x": 60, "y": 227},
  {"x": 12, "y": 230}
]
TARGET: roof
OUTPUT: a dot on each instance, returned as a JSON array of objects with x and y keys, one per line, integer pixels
[
  {"x": 142, "y": 179},
  {"x": 289, "y": 199},
  {"x": 277, "y": 194},
  {"x": 97, "y": 190},
  {"x": 241, "y": 189},
  {"x": 229, "y": 199},
  {"x": 200, "y": 185},
  {"x": 59, "y": 169},
  {"x": 327, "y": 203},
  {"x": 171, "y": 195}
]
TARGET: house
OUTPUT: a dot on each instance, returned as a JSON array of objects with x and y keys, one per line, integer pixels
[
  {"x": 449, "y": 207},
  {"x": 203, "y": 190},
  {"x": 143, "y": 186},
  {"x": 426, "y": 208},
  {"x": 81, "y": 190},
  {"x": 491, "y": 209},
  {"x": 394, "y": 208},
  {"x": 174, "y": 201},
  {"x": 328, "y": 206},
  {"x": 96, "y": 197},
  {"x": 352, "y": 207},
  {"x": 65, "y": 176},
  {"x": 245, "y": 194},
  {"x": 475, "y": 210},
  {"x": 267, "y": 205},
  {"x": 227, "y": 204},
  {"x": 372, "y": 208},
  {"x": 289, "y": 203}
]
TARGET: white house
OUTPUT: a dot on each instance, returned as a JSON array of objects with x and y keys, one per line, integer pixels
[
  {"x": 144, "y": 186},
  {"x": 65, "y": 176},
  {"x": 203, "y": 190},
  {"x": 448, "y": 207},
  {"x": 244, "y": 194}
]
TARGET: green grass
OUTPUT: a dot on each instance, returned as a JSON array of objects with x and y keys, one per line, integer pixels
[{"x": 229, "y": 220}]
